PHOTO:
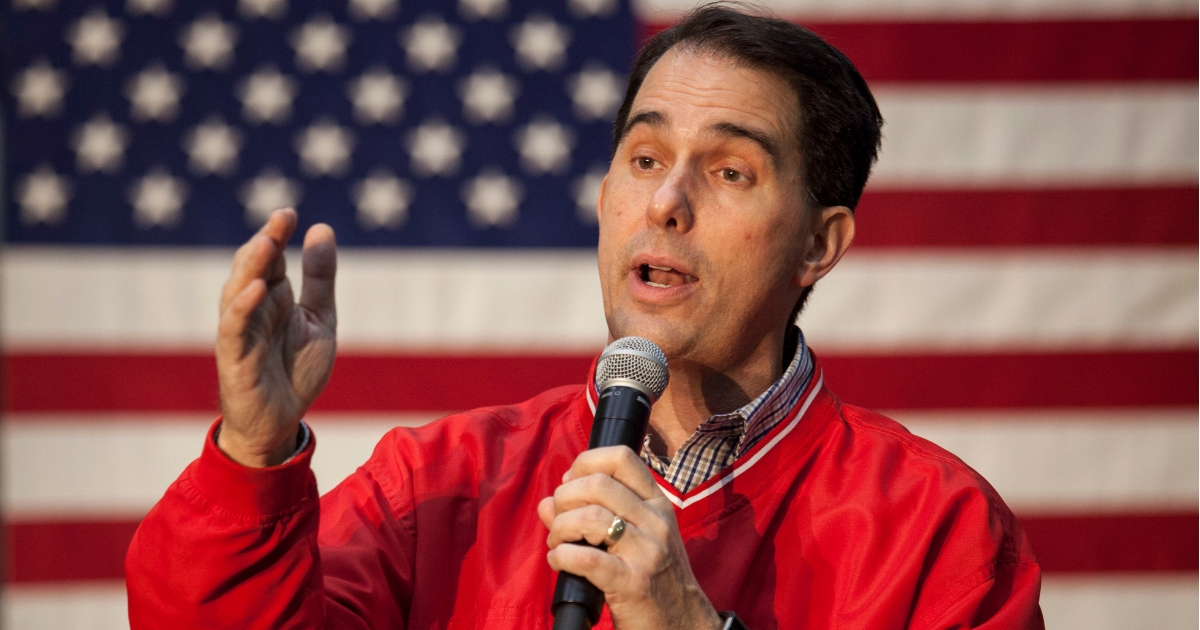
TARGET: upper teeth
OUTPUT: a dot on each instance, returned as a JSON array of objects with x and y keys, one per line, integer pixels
[{"x": 660, "y": 268}]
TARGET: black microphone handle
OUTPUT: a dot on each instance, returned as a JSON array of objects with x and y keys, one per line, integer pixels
[{"x": 621, "y": 417}]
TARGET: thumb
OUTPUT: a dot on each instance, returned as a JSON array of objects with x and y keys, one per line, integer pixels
[{"x": 319, "y": 264}]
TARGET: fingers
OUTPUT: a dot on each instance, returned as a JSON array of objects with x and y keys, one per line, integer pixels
[
  {"x": 236, "y": 317},
  {"x": 279, "y": 226},
  {"x": 319, "y": 264},
  {"x": 620, "y": 463},
  {"x": 645, "y": 575},
  {"x": 546, "y": 512},
  {"x": 261, "y": 256},
  {"x": 600, "y": 490},
  {"x": 607, "y": 571},
  {"x": 588, "y": 523}
]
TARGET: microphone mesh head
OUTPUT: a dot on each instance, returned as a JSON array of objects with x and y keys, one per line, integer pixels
[{"x": 634, "y": 359}]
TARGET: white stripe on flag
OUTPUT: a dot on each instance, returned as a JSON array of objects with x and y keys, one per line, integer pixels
[
  {"x": 530, "y": 301},
  {"x": 440, "y": 299},
  {"x": 1008, "y": 136},
  {"x": 1091, "y": 602},
  {"x": 83, "y": 606},
  {"x": 1073, "y": 461},
  {"x": 1069, "y": 603},
  {"x": 1008, "y": 300},
  {"x": 118, "y": 465},
  {"x": 81, "y": 466}
]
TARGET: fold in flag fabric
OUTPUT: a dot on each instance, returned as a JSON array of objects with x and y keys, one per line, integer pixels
[{"x": 1023, "y": 289}]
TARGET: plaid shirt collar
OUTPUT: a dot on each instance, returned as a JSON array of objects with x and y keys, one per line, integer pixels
[{"x": 721, "y": 439}]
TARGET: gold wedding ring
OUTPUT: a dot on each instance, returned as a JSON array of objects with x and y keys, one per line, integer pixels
[{"x": 615, "y": 531}]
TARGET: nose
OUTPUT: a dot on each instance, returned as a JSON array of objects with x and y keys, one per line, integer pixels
[{"x": 671, "y": 205}]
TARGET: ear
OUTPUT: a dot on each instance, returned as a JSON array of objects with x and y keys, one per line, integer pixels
[
  {"x": 600, "y": 198},
  {"x": 832, "y": 232}
]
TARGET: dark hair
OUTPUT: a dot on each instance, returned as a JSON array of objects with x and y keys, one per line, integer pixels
[{"x": 839, "y": 121}]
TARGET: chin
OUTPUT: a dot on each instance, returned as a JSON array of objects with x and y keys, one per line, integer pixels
[{"x": 673, "y": 338}]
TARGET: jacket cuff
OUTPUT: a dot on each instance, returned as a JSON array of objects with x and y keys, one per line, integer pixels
[{"x": 241, "y": 489}]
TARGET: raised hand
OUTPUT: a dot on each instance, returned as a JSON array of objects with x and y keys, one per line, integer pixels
[{"x": 274, "y": 356}]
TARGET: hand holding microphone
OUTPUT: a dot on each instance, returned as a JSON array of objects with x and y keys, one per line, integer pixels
[{"x": 630, "y": 551}]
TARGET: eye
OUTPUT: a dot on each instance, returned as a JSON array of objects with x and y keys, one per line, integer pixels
[
  {"x": 731, "y": 175},
  {"x": 644, "y": 163}
]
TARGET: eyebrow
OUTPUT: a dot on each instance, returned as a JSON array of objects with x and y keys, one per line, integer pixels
[
  {"x": 726, "y": 129},
  {"x": 651, "y": 118},
  {"x": 768, "y": 145}
]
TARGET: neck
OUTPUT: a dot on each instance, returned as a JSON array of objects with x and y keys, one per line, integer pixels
[{"x": 698, "y": 391}]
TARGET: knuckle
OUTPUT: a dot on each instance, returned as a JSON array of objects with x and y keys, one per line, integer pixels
[
  {"x": 597, "y": 513},
  {"x": 555, "y": 537},
  {"x": 661, "y": 529},
  {"x": 588, "y": 561},
  {"x": 653, "y": 522},
  {"x": 251, "y": 244},
  {"x": 560, "y": 497},
  {"x": 589, "y": 455},
  {"x": 655, "y": 555},
  {"x": 595, "y": 483},
  {"x": 228, "y": 326}
]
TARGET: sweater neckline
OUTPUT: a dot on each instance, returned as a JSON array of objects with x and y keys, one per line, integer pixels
[{"x": 746, "y": 467}]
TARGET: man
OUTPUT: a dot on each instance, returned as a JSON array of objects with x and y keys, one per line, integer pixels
[{"x": 741, "y": 148}]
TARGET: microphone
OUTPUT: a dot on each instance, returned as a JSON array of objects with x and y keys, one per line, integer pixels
[{"x": 631, "y": 375}]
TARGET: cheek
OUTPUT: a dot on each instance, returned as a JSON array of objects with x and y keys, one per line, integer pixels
[
  {"x": 617, "y": 208},
  {"x": 614, "y": 235},
  {"x": 762, "y": 261}
]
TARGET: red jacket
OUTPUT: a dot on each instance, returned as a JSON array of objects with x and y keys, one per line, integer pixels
[{"x": 839, "y": 518}]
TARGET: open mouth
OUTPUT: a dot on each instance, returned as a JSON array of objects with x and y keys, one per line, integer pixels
[{"x": 663, "y": 277}]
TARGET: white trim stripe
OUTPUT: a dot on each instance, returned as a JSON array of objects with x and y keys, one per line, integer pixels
[
  {"x": 740, "y": 467},
  {"x": 723, "y": 437}
]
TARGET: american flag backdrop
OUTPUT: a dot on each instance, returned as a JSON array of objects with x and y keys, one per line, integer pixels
[{"x": 1023, "y": 290}]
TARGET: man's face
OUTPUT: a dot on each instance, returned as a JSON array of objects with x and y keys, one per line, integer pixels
[{"x": 702, "y": 213}]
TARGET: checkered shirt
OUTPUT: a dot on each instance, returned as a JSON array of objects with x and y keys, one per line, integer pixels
[{"x": 721, "y": 439}]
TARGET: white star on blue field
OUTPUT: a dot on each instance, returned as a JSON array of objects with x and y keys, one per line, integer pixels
[{"x": 452, "y": 123}]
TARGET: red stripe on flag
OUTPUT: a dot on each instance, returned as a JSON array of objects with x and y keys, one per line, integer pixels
[
  {"x": 435, "y": 383},
  {"x": 126, "y": 382},
  {"x": 67, "y": 551},
  {"x": 95, "y": 550},
  {"x": 962, "y": 218},
  {"x": 110, "y": 382},
  {"x": 188, "y": 382},
  {"x": 1097, "y": 379},
  {"x": 1143, "y": 542},
  {"x": 1099, "y": 50}
]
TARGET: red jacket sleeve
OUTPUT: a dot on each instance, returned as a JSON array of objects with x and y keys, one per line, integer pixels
[
  {"x": 234, "y": 547},
  {"x": 1007, "y": 599},
  {"x": 980, "y": 572}
]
